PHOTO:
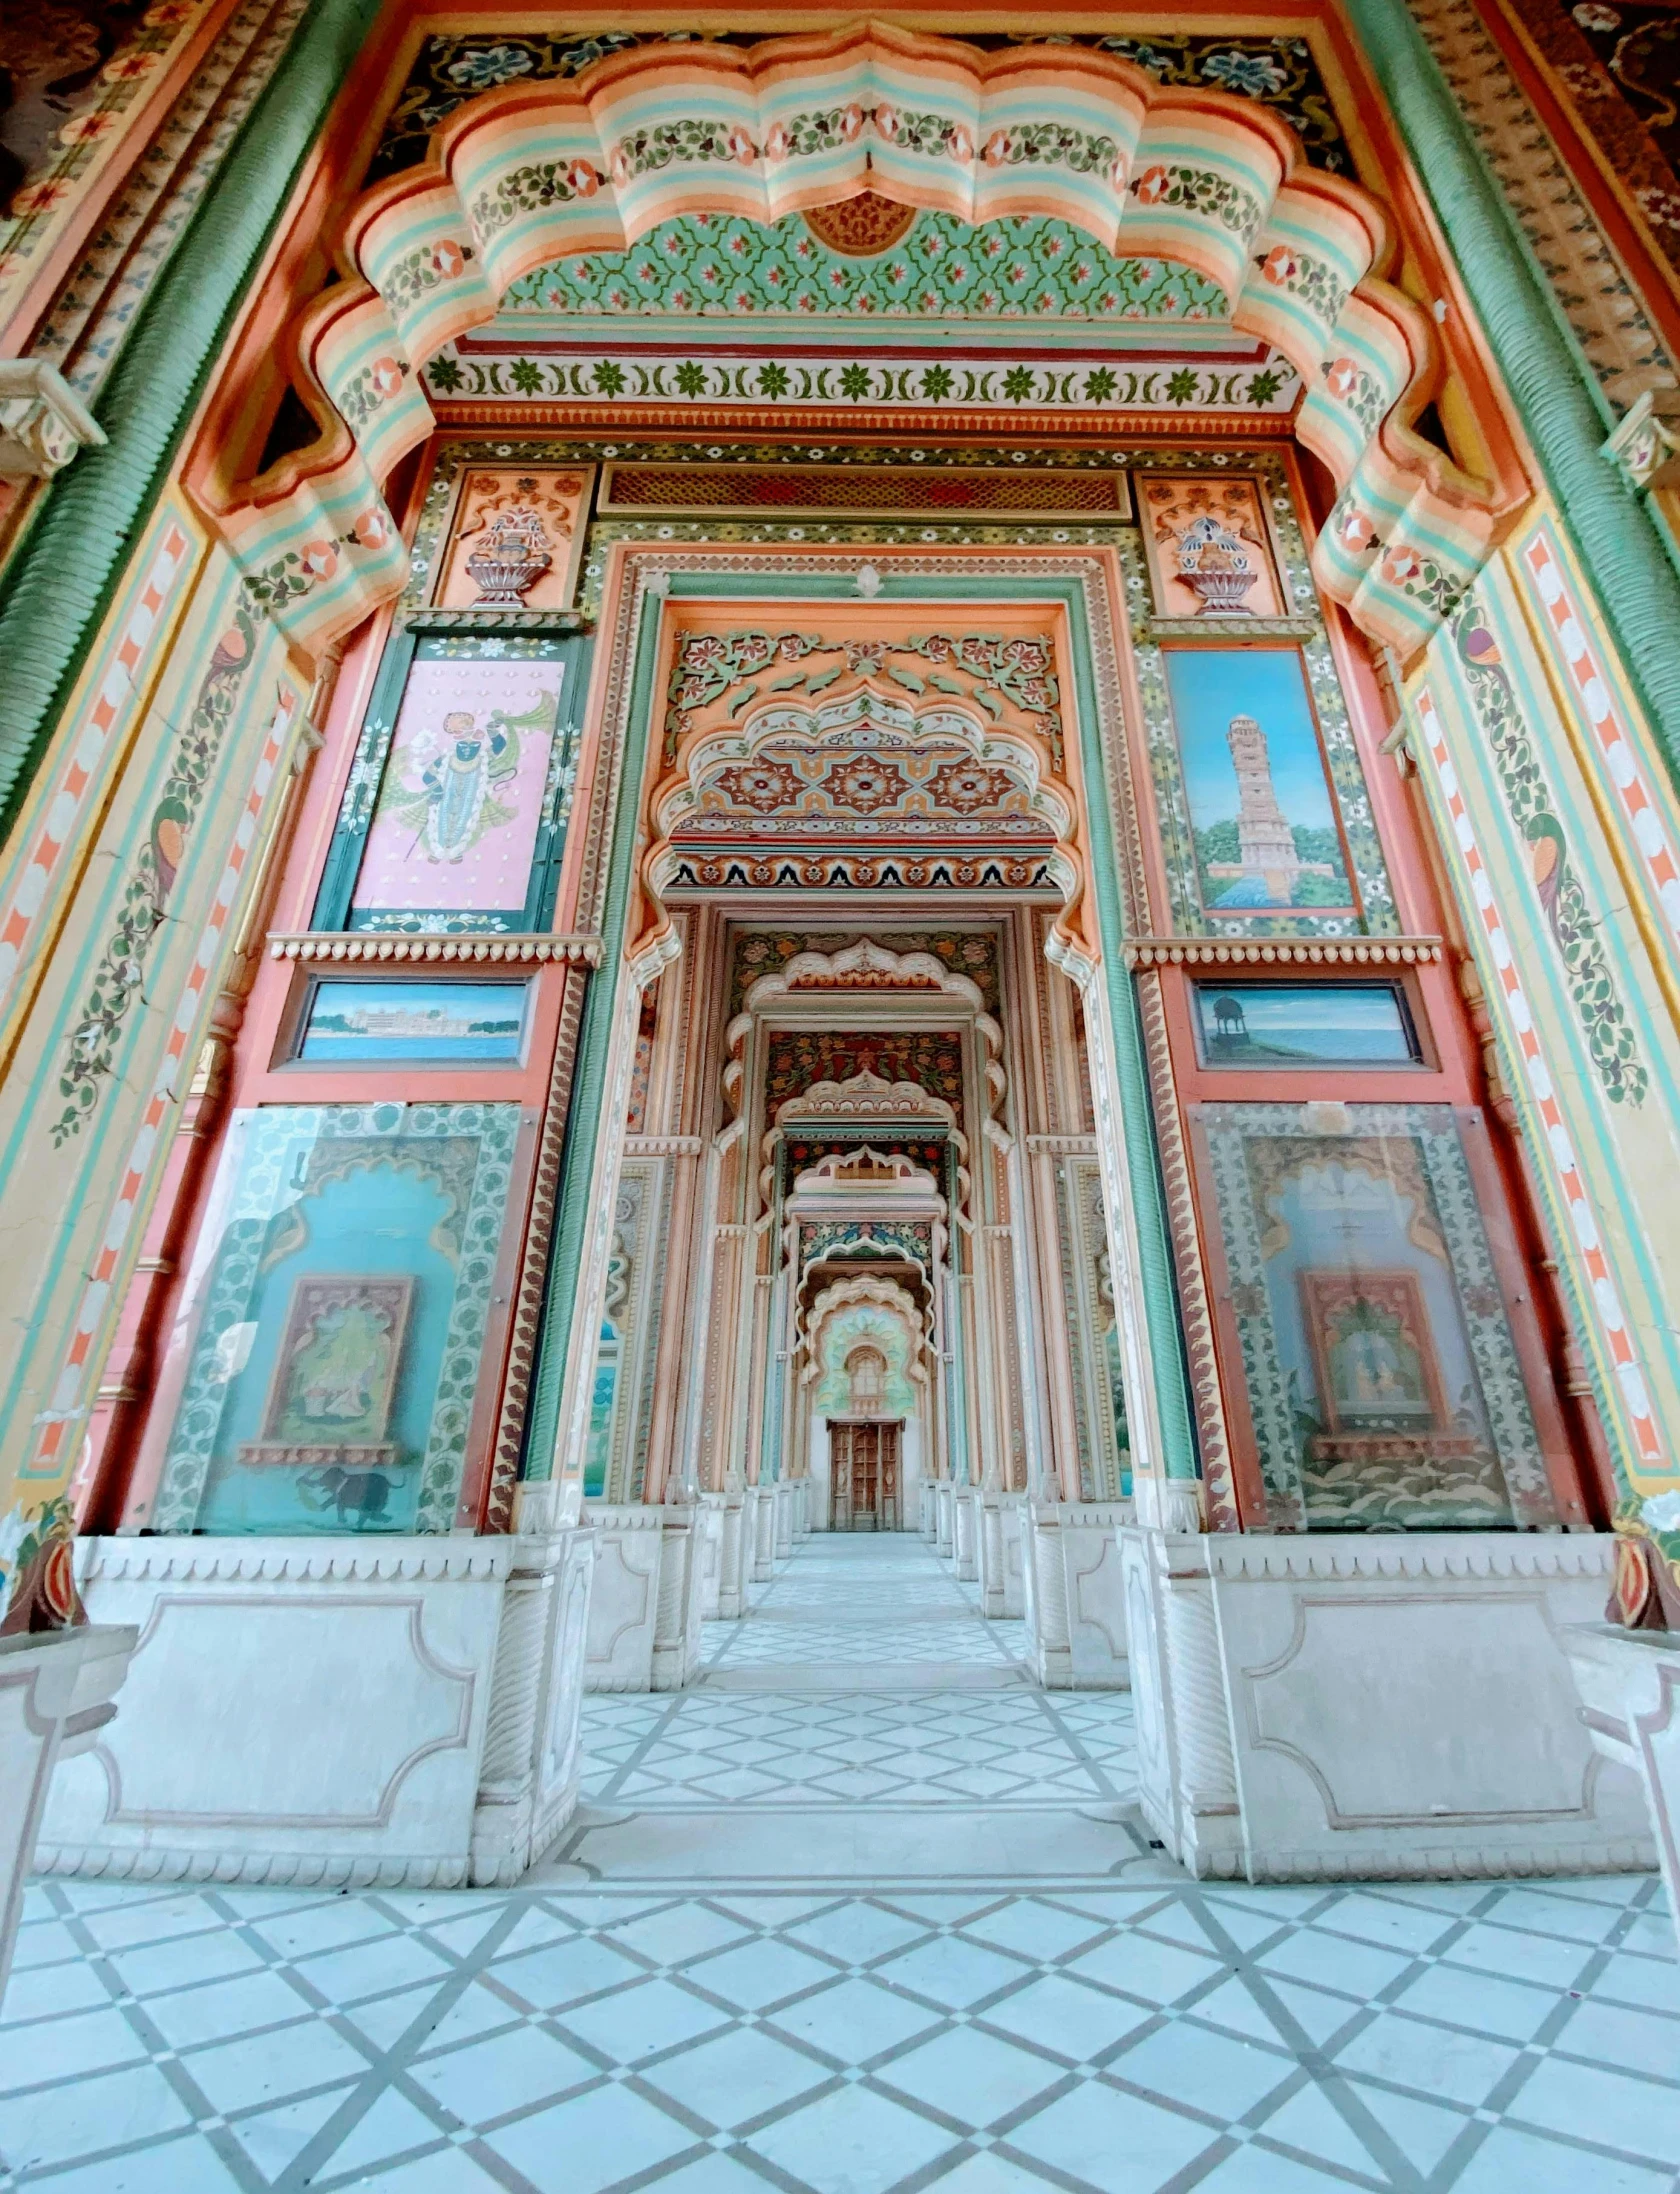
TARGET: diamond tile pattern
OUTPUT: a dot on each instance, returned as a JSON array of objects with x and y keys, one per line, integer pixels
[{"x": 954, "y": 2026}]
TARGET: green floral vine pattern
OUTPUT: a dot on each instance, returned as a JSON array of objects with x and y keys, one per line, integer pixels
[
  {"x": 1201, "y": 191},
  {"x": 1574, "y": 926},
  {"x": 92, "y": 1044}
]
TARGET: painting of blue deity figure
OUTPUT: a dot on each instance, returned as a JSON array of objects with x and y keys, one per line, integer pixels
[
  {"x": 1262, "y": 813},
  {"x": 454, "y": 816},
  {"x": 398, "y": 1022},
  {"x": 1283, "y": 1025},
  {"x": 337, "y": 1310}
]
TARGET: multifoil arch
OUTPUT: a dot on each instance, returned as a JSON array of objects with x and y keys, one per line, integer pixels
[{"x": 528, "y": 173}]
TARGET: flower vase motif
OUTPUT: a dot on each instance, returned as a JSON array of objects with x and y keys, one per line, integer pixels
[
  {"x": 1216, "y": 566},
  {"x": 509, "y": 561}
]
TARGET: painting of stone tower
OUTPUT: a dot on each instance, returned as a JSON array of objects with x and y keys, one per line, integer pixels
[
  {"x": 1262, "y": 812},
  {"x": 1265, "y": 839}
]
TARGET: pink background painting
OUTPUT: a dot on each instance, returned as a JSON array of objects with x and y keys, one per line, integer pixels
[{"x": 492, "y": 874}]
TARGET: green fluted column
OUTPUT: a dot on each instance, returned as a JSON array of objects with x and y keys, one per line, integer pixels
[
  {"x": 56, "y": 589},
  {"x": 1636, "y": 586}
]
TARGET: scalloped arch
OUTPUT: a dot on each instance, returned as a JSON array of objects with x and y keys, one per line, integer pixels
[{"x": 526, "y": 174}]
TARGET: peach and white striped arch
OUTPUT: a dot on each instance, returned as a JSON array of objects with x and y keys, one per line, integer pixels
[{"x": 529, "y": 173}]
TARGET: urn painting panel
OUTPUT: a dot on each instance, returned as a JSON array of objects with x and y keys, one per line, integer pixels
[
  {"x": 1379, "y": 1367},
  {"x": 1262, "y": 814},
  {"x": 454, "y": 818},
  {"x": 337, "y": 1318},
  {"x": 1210, "y": 553},
  {"x": 517, "y": 538}
]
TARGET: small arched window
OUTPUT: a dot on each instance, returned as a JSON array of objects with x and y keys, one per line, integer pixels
[{"x": 866, "y": 1368}]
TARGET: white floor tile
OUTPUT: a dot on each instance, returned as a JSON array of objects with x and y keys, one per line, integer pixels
[
  {"x": 870, "y": 1890},
  {"x": 854, "y": 2139},
  {"x": 1112, "y": 2140}
]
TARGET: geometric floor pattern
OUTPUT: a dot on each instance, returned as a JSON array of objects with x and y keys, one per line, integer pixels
[{"x": 849, "y": 1940}]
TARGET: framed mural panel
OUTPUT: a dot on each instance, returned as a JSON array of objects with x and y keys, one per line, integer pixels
[
  {"x": 1380, "y": 1376},
  {"x": 1263, "y": 816},
  {"x": 339, "y": 1309},
  {"x": 454, "y": 818},
  {"x": 406, "y": 1021},
  {"x": 1297, "y": 1025}
]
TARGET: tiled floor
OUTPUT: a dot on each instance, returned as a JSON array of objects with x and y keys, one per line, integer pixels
[{"x": 849, "y": 1936}]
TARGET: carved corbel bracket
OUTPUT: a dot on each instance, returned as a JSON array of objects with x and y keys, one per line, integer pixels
[{"x": 43, "y": 422}]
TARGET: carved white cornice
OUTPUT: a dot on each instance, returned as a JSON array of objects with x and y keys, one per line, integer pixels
[
  {"x": 1145, "y": 952},
  {"x": 366, "y": 947},
  {"x": 410, "y": 1559}
]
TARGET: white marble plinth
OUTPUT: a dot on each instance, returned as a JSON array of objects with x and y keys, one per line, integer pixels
[
  {"x": 1386, "y": 1706},
  {"x": 945, "y": 1520},
  {"x": 1001, "y": 1595},
  {"x": 761, "y": 1533},
  {"x": 965, "y": 1533},
  {"x": 393, "y": 1711},
  {"x": 644, "y": 1613},
  {"x": 1629, "y": 1686},
  {"x": 927, "y": 1510},
  {"x": 801, "y": 1508},
  {"x": 708, "y": 1552},
  {"x": 784, "y": 1498},
  {"x": 720, "y": 1553},
  {"x": 56, "y": 1694},
  {"x": 1075, "y": 1594}
]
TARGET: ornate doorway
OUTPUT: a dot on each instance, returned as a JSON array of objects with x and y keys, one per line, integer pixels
[{"x": 863, "y": 1473}]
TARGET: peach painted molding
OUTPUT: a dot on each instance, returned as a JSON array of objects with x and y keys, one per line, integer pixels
[{"x": 528, "y": 173}]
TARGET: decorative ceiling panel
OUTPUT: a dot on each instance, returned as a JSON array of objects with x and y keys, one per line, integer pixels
[{"x": 1000, "y": 274}]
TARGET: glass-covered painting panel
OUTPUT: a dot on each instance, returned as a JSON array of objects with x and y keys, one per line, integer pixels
[
  {"x": 1378, "y": 1361},
  {"x": 338, "y": 1306},
  {"x": 1282, "y": 1025},
  {"x": 350, "y": 1021},
  {"x": 1262, "y": 814},
  {"x": 454, "y": 817},
  {"x": 455, "y": 825}
]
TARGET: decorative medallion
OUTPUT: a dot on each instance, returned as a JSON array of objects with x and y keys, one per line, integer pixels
[{"x": 860, "y": 227}]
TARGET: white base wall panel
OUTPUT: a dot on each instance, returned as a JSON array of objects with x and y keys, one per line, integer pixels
[
  {"x": 400, "y": 1711},
  {"x": 1388, "y": 1707}
]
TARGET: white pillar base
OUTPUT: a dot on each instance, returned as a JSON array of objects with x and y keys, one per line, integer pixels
[
  {"x": 1390, "y": 1707},
  {"x": 644, "y": 1614},
  {"x": 782, "y": 1491},
  {"x": 928, "y": 1516},
  {"x": 966, "y": 1534},
  {"x": 1001, "y": 1596},
  {"x": 1629, "y": 1684},
  {"x": 708, "y": 1547},
  {"x": 945, "y": 1520},
  {"x": 1075, "y": 1594},
  {"x": 392, "y": 1712},
  {"x": 761, "y": 1532},
  {"x": 55, "y": 1698}
]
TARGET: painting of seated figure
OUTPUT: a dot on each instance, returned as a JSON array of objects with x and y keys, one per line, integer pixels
[
  {"x": 338, "y": 1314},
  {"x": 1381, "y": 1372}
]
